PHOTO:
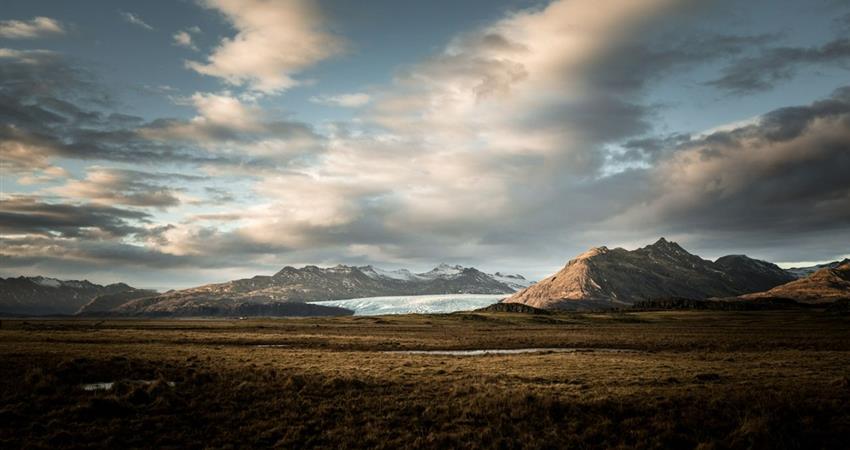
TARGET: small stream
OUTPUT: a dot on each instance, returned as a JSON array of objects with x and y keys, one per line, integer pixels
[
  {"x": 512, "y": 351},
  {"x": 108, "y": 385}
]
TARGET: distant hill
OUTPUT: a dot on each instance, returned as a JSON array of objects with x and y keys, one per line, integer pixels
[
  {"x": 224, "y": 308},
  {"x": 603, "y": 277},
  {"x": 312, "y": 283},
  {"x": 827, "y": 285},
  {"x": 803, "y": 272},
  {"x": 753, "y": 275},
  {"x": 45, "y": 296}
]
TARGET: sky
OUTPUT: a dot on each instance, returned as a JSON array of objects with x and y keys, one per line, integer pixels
[{"x": 174, "y": 143}]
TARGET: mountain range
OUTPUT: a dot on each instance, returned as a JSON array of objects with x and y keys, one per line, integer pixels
[
  {"x": 598, "y": 278},
  {"x": 311, "y": 283},
  {"x": 284, "y": 293},
  {"x": 603, "y": 277}
]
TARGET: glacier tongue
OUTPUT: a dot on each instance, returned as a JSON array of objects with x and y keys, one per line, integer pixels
[{"x": 414, "y": 304}]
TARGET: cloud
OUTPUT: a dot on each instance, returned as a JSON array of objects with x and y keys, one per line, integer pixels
[
  {"x": 491, "y": 128},
  {"x": 274, "y": 41},
  {"x": 52, "y": 109},
  {"x": 38, "y": 27},
  {"x": 772, "y": 66},
  {"x": 517, "y": 143},
  {"x": 226, "y": 125},
  {"x": 28, "y": 215},
  {"x": 134, "y": 19},
  {"x": 784, "y": 175},
  {"x": 111, "y": 186},
  {"x": 353, "y": 100},
  {"x": 182, "y": 38}
]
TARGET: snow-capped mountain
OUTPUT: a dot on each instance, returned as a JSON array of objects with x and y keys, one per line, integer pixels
[
  {"x": 313, "y": 284},
  {"x": 516, "y": 281},
  {"x": 446, "y": 272},
  {"x": 398, "y": 274}
]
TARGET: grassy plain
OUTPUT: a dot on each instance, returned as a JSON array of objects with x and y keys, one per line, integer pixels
[{"x": 685, "y": 379}]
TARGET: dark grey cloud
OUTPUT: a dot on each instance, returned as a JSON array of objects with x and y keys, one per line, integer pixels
[
  {"x": 784, "y": 176},
  {"x": 51, "y": 107},
  {"x": 632, "y": 65},
  {"x": 651, "y": 148},
  {"x": 772, "y": 66},
  {"x": 219, "y": 195},
  {"x": 28, "y": 215}
]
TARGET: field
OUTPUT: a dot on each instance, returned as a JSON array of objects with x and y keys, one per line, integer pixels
[{"x": 685, "y": 379}]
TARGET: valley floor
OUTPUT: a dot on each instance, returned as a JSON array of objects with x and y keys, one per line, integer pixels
[{"x": 769, "y": 379}]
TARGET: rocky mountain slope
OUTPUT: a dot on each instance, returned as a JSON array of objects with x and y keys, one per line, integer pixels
[
  {"x": 106, "y": 302},
  {"x": 44, "y": 296},
  {"x": 803, "y": 272},
  {"x": 311, "y": 283},
  {"x": 753, "y": 275},
  {"x": 603, "y": 277},
  {"x": 827, "y": 285}
]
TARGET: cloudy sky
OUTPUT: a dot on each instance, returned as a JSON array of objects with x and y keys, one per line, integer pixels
[{"x": 172, "y": 143}]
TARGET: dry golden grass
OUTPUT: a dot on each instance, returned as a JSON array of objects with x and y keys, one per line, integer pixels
[{"x": 690, "y": 379}]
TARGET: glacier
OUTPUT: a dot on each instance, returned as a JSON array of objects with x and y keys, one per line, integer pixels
[{"x": 415, "y": 304}]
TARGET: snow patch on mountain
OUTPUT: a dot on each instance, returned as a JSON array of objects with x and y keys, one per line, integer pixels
[
  {"x": 443, "y": 271},
  {"x": 515, "y": 281},
  {"x": 399, "y": 274},
  {"x": 47, "y": 282}
]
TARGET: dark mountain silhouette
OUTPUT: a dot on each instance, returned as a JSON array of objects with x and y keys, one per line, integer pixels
[{"x": 45, "y": 296}]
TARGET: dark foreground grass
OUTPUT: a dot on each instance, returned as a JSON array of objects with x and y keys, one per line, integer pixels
[{"x": 690, "y": 380}]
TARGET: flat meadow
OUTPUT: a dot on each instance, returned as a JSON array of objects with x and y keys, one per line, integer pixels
[{"x": 663, "y": 379}]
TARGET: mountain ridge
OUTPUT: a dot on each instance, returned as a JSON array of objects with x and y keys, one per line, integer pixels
[
  {"x": 312, "y": 284},
  {"x": 827, "y": 285},
  {"x": 40, "y": 295},
  {"x": 603, "y": 277}
]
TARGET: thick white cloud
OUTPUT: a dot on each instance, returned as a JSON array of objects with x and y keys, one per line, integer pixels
[
  {"x": 274, "y": 41},
  {"x": 38, "y": 27}
]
